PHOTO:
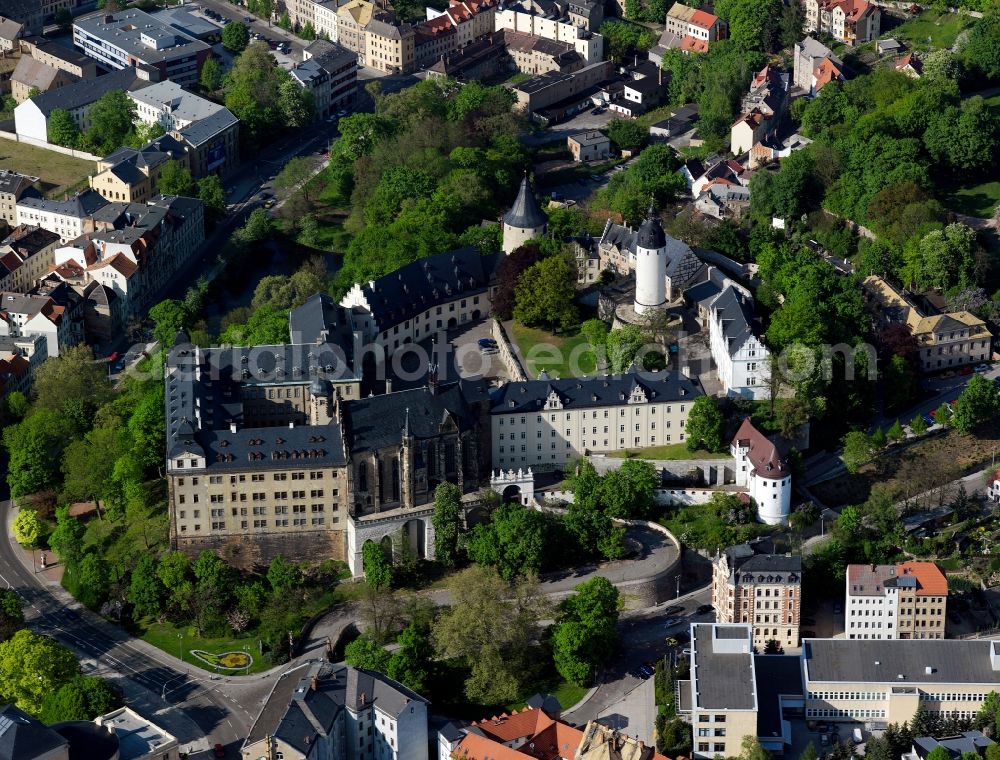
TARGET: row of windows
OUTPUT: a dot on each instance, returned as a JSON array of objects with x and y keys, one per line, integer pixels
[
  {"x": 595, "y": 443},
  {"x": 857, "y": 696},
  {"x": 256, "y": 477},
  {"x": 716, "y": 748},
  {"x": 282, "y": 522},
  {"x": 569, "y": 432},
  {"x": 832, "y": 712},
  {"x": 951, "y": 697},
  {"x": 583, "y": 415}
]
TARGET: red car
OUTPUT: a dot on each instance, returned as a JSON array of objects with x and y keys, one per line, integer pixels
[
  {"x": 218, "y": 750},
  {"x": 966, "y": 370}
]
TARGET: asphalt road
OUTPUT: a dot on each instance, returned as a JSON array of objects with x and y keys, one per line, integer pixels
[{"x": 143, "y": 679}]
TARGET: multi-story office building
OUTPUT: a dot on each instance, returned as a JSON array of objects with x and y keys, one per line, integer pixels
[
  {"x": 126, "y": 39},
  {"x": 762, "y": 590},
  {"x": 884, "y": 681},
  {"x": 546, "y": 422},
  {"x": 907, "y": 600}
]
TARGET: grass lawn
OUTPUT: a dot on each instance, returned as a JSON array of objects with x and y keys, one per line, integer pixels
[
  {"x": 567, "y": 693},
  {"x": 977, "y": 200},
  {"x": 670, "y": 451},
  {"x": 565, "y": 355},
  {"x": 166, "y": 637},
  {"x": 59, "y": 173},
  {"x": 931, "y": 29},
  {"x": 330, "y": 237}
]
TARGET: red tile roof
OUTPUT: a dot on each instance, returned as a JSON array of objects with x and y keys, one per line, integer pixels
[
  {"x": 534, "y": 734},
  {"x": 693, "y": 45},
  {"x": 703, "y": 19},
  {"x": 764, "y": 456},
  {"x": 826, "y": 72},
  {"x": 932, "y": 581}
]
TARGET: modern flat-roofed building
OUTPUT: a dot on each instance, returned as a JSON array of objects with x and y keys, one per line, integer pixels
[
  {"x": 126, "y": 38},
  {"x": 885, "y": 680},
  {"x": 761, "y": 590},
  {"x": 722, "y": 696},
  {"x": 907, "y": 600},
  {"x": 139, "y": 738}
]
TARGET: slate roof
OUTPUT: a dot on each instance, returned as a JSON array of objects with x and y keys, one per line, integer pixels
[
  {"x": 24, "y": 738},
  {"x": 722, "y": 667},
  {"x": 13, "y": 183},
  {"x": 956, "y": 746},
  {"x": 377, "y": 421},
  {"x": 884, "y": 660},
  {"x": 651, "y": 235},
  {"x": 80, "y": 206},
  {"x": 525, "y": 213},
  {"x": 87, "y": 91},
  {"x": 739, "y": 323},
  {"x": 298, "y": 714},
  {"x": 427, "y": 282},
  {"x": 9, "y": 28},
  {"x": 586, "y": 392},
  {"x": 321, "y": 320},
  {"x": 205, "y": 129},
  {"x": 366, "y": 687}
]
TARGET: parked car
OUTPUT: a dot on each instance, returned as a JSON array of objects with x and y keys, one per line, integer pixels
[
  {"x": 269, "y": 203},
  {"x": 928, "y": 419},
  {"x": 487, "y": 343},
  {"x": 673, "y": 609},
  {"x": 982, "y": 368},
  {"x": 674, "y": 621},
  {"x": 966, "y": 370},
  {"x": 702, "y": 609},
  {"x": 218, "y": 750},
  {"x": 645, "y": 671},
  {"x": 671, "y": 641},
  {"x": 595, "y": 111},
  {"x": 342, "y": 113}
]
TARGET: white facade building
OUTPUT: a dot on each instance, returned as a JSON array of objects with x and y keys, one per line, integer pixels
[
  {"x": 650, "y": 265},
  {"x": 589, "y": 45},
  {"x": 68, "y": 219},
  {"x": 907, "y": 600},
  {"x": 544, "y": 423},
  {"x": 171, "y": 106},
  {"x": 764, "y": 472},
  {"x": 739, "y": 353}
]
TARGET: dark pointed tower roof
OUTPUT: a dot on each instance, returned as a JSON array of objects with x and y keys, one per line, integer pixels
[
  {"x": 651, "y": 234},
  {"x": 525, "y": 213}
]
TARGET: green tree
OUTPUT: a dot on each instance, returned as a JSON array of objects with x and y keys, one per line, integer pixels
[
  {"x": 878, "y": 439},
  {"x": 111, "y": 121},
  {"x": 977, "y": 405},
  {"x": 32, "y": 666},
  {"x": 67, "y": 537},
  {"x": 545, "y": 294},
  {"x": 809, "y": 753},
  {"x": 627, "y": 134},
  {"x": 751, "y": 749},
  {"x": 35, "y": 447},
  {"x": 447, "y": 521},
  {"x": 93, "y": 580},
  {"x": 365, "y": 652},
  {"x": 211, "y": 74},
  {"x": 174, "y": 572},
  {"x": 753, "y": 25},
  {"x": 176, "y": 179},
  {"x": 918, "y": 425},
  {"x": 73, "y": 384},
  {"x": 490, "y": 626},
  {"x": 27, "y": 528},
  {"x": 982, "y": 50},
  {"x": 857, "y": 450},
  {"x": 939, "y": 753},
  {"x": 82, "y": 698},
  {"x": 64, "y": 18},
  {"x": 629, "y": 491},
  {"x": 145, "y": 589},
  {"x": 235, "y": 37},
  {"x": 623, "y": 347},
  {"x": 586, "y": 635},
  {"x": 704, "y": 425},
  {"x": 11, "y": 614},
  {"x": 62, "y": 129},
  {"x": 377, "y": 567},
  {"x": 283, "y": 574},
  {"x": 88, "y": 465},
  {"x": 295, "y": 103},
  {"x": 18, "y": 405},
  {"x": 169, "y": 316},
  {"x": 212, "y": 194},
  {"x": 513, "y": 541},
  {"x": 410, "y": 664},
  {"x": 895, "y": 432},
  {"x": 942, "y": 415},
  {"x": 258, "y": 227}
]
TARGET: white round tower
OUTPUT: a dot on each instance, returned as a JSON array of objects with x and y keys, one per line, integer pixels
[
  {"x": 650, "y": 264},
  {"x": 525, "y": 221},
  {"x": 772, "y": 494}
]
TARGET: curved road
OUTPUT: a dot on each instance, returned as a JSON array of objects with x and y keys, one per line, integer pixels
[{"x": 193, "y": 710}]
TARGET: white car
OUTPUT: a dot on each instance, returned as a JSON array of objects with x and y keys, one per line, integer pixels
[{"x": 981, "y": 368}]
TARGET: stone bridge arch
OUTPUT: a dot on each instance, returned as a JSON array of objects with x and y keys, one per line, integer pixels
[
  {"x": 514, "y": 485},
  {"x": 390, "y": 530}
]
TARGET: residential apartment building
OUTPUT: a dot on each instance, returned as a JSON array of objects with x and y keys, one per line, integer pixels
[
  {"x": 589, "y": 146},
  {"x": 884, "y": 681},
  {"x": 814, "y": 66},
  {"x": 853, "y": 22},
  {"x": 30, "y": 75},
  {"x": 763, "y": 591},
  {"x": 26, "y": 315},
  {"x": 762, "y": 107},
  {"x": 330, "y": 73},
  {"x": 31, "y": 116},
  {"x": 48, "y": 65},
  {"x": 11, "y": 32},
  {"x": 68, "y": 218},
  {"x": 20, "y": 358},
  {"x": 25, "y": 257},
  {"x": 534, "y": 55},
  {"x": 589, "y": 45},
  {"x": 692, "y": 30},
  {"x": 944, "y": 341},
  {"x": 544, "y": 423},
  {"x": 320, "y": 710},
  {"x": 132, "y": 175},
  {"x": 130, "y": 38},
  {"x": 907, "y": 600},
  {"x": 14, "y": 187}
]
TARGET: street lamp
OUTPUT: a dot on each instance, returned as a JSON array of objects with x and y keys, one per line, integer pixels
[{"x": 180, "y": 645}]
